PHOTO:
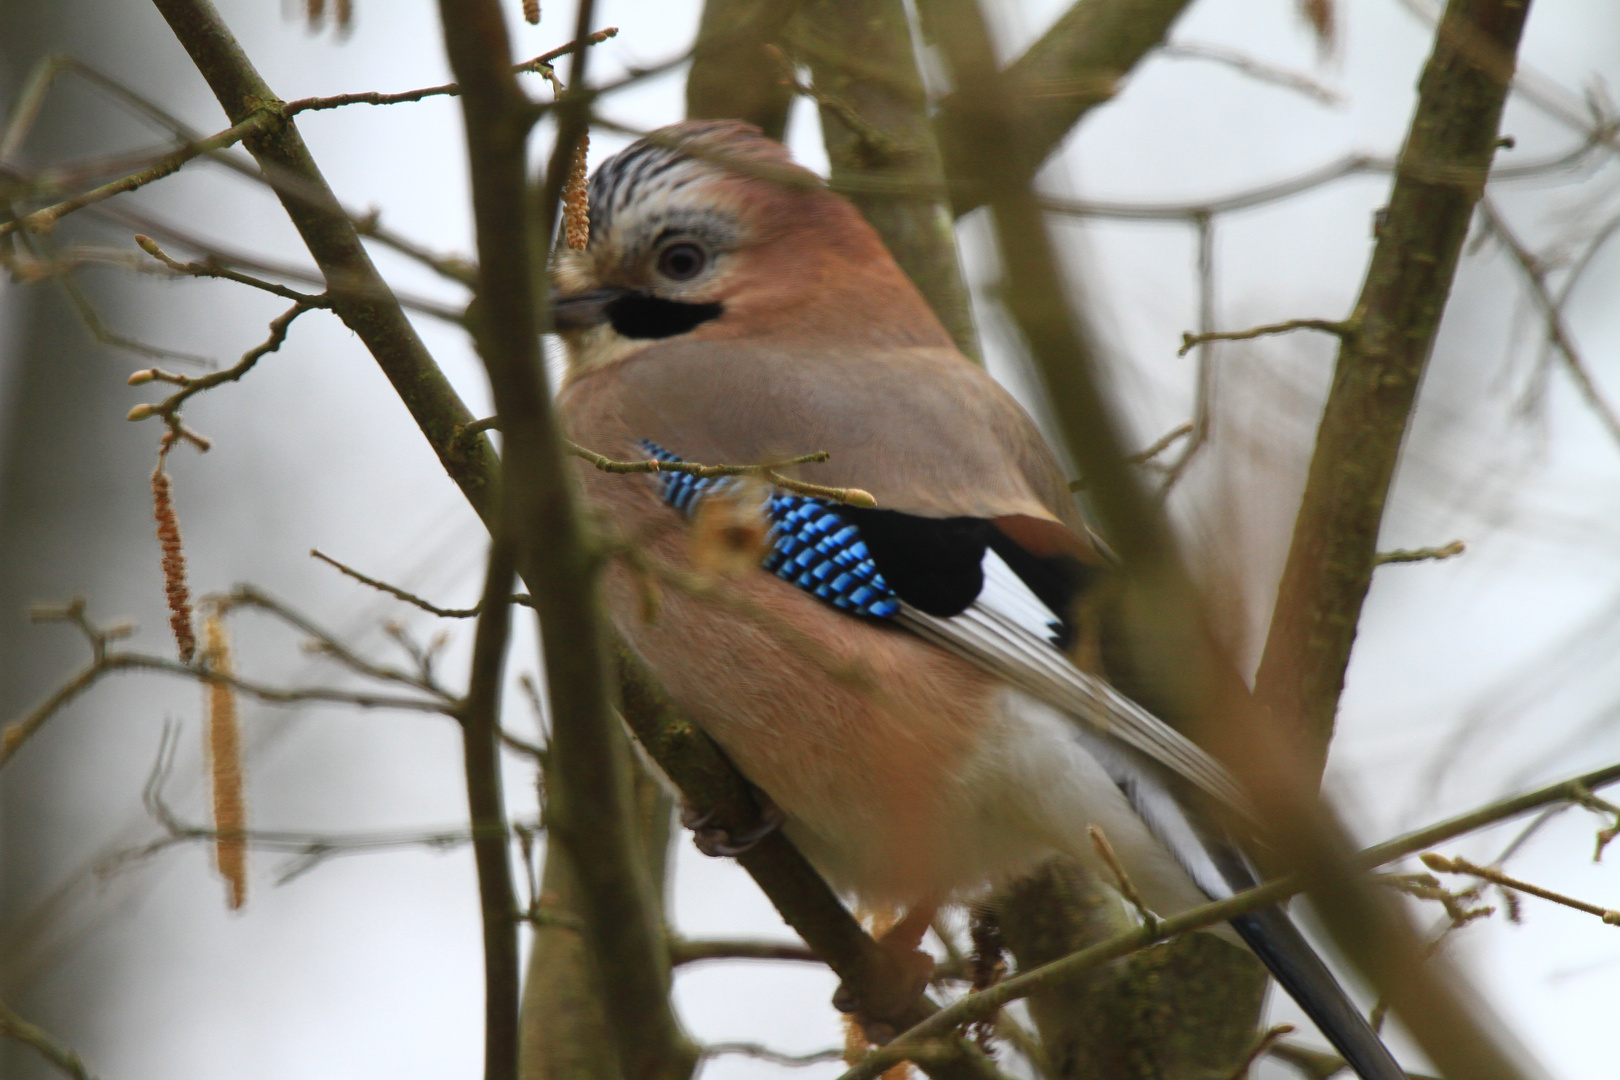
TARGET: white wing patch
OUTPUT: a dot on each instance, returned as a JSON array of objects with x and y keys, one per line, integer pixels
[
  {"x": 1011, "y": 633},
  {"x": 1006, "y": 595}
]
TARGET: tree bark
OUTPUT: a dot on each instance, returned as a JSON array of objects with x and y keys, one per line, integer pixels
[
  {"x": 732, "y": 76},
  {"x": 864, "y": 63},
  {"x": 1439, "y": 177}
]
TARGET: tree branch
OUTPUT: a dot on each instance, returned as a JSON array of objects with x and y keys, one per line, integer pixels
[
  {"x": 65, "y": 1060},
  {"x": 731, "y": 76},
  {"x": 588, "y": 812},
  {"x": 985, "y": 1002},
  {"x": 486, "y": 807},
  {"x": 1397, "y": 318},
  {"x": 360, "y": 296},
  {"x": 1074, "y": 66},
  {"x": 861, "y": 56},
  {"x": 255, "y": 123},
  {"x": 538, "y": 64}
]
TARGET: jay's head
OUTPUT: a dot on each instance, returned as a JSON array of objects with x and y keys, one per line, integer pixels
[{"x": 708, "y": 230}]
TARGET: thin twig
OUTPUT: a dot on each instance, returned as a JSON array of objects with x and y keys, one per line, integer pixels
[
  {"x": 982, "y": 1003},
  {"x": 1427, "y": 554},
  {"x": 308, "y": 848},
  {"x": 689, "y": 951},
  {"x": 87, "y": 311},
  {"x": 63, "y": 1058},
  {"x": 453, "y": 267},
  {"x": 1204, "y": 383},
  {"x": 353, "y": 287},
  {"x": 1339, "y": 329},
  {"x": 1558, "y": 333},
  {"x": 212, "y": 268},
  {"x": 852, "y": 496},
  {"x": 190, "y": 386},
  {"x": 539, "y": 64},
  {"x": 1159, "y": 445},
  {"x": 1122, "y": 880},
  {"x": 1443, "y": 865},
  {"x": 1259, "y": 70},
  {"x": 876, "y": 145},
  {"x": 323, "y": 642},
  {"x": 481, "y": 756},
  {"x": 775, "y": 1057},
  {"x": 41, "y": 220},
  {"x": 411, "y": 598},
  {"x": 1257, "y": 1049}
]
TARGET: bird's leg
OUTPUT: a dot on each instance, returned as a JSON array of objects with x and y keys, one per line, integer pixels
[
  {"x": 910, "y": 970},
  {"x": 717, "y": 840}
]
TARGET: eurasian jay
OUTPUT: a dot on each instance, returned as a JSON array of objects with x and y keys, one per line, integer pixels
[{"x": 905, "y": 681}]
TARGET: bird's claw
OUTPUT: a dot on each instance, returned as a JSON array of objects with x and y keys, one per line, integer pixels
[
  {"x": 909, "y": 976},
  {"x": 716, "y": 841}
]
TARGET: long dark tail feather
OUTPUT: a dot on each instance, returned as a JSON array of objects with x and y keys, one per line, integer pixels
[{"x": 1282, "y": 948}]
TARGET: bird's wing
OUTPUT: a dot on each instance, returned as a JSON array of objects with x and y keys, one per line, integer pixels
[
  {"x": 976, "y": 543},
  {"x": 925, "y": 431},
  {"x": 998, "y": 632},
  {"x": 947, "y": 580}
]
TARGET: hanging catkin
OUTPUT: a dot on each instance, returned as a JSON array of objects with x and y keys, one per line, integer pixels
[
  {"x": 576, "y": 201},
  {"x": 225, "y": 765},
  {"x": 174, "y": 560}
]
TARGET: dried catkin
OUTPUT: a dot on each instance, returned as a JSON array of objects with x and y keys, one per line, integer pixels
[
  {"x": 576, "y": 200},
  {"x": 225, "y": 765},
  {"x": 315, "y": 12},
  {"x": 343, "y": 13},
  {"x": 531, "y": 12},
  {"x": 174, "y": 562}
]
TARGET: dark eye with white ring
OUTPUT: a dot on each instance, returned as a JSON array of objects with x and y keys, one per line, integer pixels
[{"x": 682, "y": 262}]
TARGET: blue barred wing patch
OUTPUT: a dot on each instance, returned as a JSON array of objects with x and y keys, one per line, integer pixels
[{"x": 813, "y": 546}]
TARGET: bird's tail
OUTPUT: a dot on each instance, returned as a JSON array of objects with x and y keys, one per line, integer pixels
[{"x": 1283, "y": 949}]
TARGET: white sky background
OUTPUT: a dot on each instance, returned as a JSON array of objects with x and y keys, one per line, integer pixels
[{"x": 367, "y": 967}]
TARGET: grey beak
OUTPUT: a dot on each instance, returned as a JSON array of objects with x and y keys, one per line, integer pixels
[{"x": 580, "y": 311}]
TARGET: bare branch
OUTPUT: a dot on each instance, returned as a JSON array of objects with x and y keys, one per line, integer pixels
[
  {"x": 1074, "y": 66},
  {"x": 589, "y": 813},
  {"x": 255, "y": 123},
  {"x": 1428, "y": 554},
  {"x": 985, "y": 1002},
  {"x": 540, "y": 64},
  {"x": 65, "y": 1060},
  {"x": 411, "y": 598},
  {"x": 1259, "y": 70},
  {"x": 853, "y": 496},
  {"x": 190, "y": 386},
  {"x": 1159, "y": 445},
  {"x": 1444, "y": 865},
  {"x": 213, "y": 268},
  {"x": 775, "y": 1057},
  {"x": 687, "y": 951},
  {"x": 481, "y": 755},
  {"x": 1203, "y": 689},
  {"x": 360, "y": 297},
  {"x": 1339, "y": 329},
  {"x": 1558, "y": 333}
]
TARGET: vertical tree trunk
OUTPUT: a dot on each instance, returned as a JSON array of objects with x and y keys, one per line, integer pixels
[
  {"x": 564, "y": 1032},
  {"x": 862, "y": 58}
]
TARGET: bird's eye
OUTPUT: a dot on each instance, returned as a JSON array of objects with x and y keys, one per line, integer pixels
[{"x": 682, "y": 262}]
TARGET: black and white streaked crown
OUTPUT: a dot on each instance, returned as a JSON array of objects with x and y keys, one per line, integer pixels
[
  {"x": 651, "y": 171},
  {"x": 812, "y": 545},
  {"x": 643, "y": 170}
]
